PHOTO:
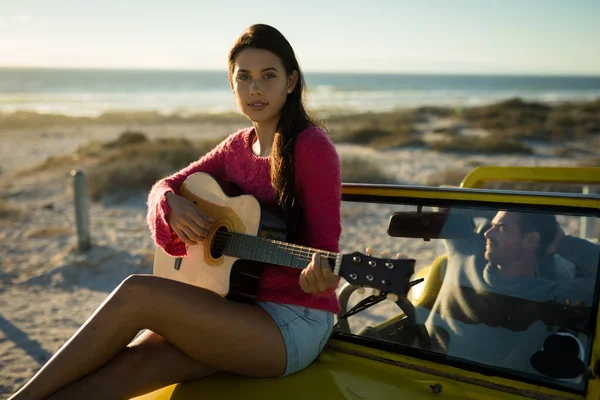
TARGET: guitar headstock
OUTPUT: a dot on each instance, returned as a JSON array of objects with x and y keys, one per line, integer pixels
[{"x": 385, "y": 274}]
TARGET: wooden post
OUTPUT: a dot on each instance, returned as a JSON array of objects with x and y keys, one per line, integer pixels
[{"x": 81, "y": 211}]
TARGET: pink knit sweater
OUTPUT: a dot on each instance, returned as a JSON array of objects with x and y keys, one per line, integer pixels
[{"x": 318, "y": 187}]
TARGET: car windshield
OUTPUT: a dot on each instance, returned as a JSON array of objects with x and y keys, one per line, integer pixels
[{"x": 508, "y": 290}]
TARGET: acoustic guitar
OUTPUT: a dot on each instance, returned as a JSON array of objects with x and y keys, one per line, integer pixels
[{"x": 246, "y": 236}]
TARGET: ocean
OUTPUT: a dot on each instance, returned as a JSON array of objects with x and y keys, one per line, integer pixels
[{"x": 90, "y": 92}]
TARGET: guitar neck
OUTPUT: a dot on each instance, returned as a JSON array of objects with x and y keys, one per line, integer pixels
[{"x": 271, "y": 251}]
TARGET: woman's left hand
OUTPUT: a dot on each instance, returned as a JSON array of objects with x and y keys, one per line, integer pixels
[{"x": 318, "y": 276}]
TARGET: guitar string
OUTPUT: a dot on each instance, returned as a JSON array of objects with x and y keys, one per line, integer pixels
[
  {"x": 222, "y": 238},
  {"x": 244, "y": 242},
  {"x": 301, "y": 254}
]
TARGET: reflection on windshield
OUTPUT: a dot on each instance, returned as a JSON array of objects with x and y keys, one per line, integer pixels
[{"x": 509, "y": 289}]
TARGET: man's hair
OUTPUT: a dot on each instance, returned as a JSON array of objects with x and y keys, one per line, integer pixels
[{"x": 544, "y": 224}]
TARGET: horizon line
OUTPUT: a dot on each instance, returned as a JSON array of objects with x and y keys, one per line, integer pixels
[{"x": 309, "y": 71}]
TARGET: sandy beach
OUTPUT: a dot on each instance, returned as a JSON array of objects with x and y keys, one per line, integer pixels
[{"x": 48, "y": 289}]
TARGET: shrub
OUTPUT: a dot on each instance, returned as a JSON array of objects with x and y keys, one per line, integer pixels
[
  {"x": 530, "y": 120},
  {"x": 363, "y": 136},
  {"x": 360, "y": 168},
  {"x": 394, "y": 142},
  {"x": 7, "y": 212},
  {"x": 135, "y": 168},
  {"x": 487, "y": 144},
  {"x": 127, "y": 138}
]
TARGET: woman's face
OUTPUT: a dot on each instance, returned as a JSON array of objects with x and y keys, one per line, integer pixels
[{"x": 261, "y": 84}]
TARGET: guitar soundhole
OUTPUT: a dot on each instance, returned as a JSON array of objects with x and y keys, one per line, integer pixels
[{"x": 219, "y": 242}]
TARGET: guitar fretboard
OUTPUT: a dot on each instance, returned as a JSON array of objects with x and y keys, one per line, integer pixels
[{"x": 268, "y": 250}]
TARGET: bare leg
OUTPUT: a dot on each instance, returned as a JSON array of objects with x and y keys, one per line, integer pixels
[
  {"x": 147, "y": 364},
  {"x": 222, "y": 335}
]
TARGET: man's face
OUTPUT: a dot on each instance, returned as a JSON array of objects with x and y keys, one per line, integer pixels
[{"x": 504, "y": 242}]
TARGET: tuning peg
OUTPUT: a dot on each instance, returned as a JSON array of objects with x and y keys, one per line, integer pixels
[
  {"x": 370, "y": 251},
  {"x": 360, "y": 290},
  {"x": 401, "y": 256},
  {"x": 376, "y": 292},
  {"x": 386, "y": 254},
  {"x": 392, "y": 297}
]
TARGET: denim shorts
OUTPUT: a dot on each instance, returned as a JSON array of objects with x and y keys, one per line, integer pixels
[{"x": 305, "y": 332}]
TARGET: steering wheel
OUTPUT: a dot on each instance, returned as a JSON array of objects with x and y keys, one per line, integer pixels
[{"x": 406, "y": 334}]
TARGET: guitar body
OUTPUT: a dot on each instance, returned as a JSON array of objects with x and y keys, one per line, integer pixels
[
  {"x": 246, "y": 236},
  {"x": 205, "y": 265}
]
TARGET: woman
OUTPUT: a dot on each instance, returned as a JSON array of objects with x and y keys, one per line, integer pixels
[{"x": 191, "y": 332}]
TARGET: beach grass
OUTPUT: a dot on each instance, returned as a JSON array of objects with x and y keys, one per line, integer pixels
[
  {"x": 34, "y": 120},
  {"x": 513, "y": 120},
  {"x": 488, "y": 144},
  {"x": 132, "y": 163},
  {"x": 530, "y": 120},
  {"x": 509, "y": 124},
  {"x": 8, "y": 212},
  {"x": 124, "y": 167},
  {"x": 360, "y": 168}
]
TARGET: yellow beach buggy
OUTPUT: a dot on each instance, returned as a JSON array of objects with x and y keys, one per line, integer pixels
[{"x": 540, "y": 340}]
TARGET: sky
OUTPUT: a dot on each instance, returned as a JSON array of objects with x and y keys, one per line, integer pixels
[{"x": 553, "y": 37}]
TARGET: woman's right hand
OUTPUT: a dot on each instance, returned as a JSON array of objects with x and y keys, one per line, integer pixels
[{"x": 187, "y": 220}]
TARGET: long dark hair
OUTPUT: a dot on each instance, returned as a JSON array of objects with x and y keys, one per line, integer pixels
[{"x": 293, "y": 119}]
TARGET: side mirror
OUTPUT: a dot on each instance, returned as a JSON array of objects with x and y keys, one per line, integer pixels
[{"x": 429, "y": 225}]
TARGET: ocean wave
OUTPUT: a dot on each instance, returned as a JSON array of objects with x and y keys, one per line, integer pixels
[{"x": 322, "y": 98}]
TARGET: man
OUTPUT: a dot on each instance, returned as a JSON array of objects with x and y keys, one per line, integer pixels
[{"x": 497, "y": 305}]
